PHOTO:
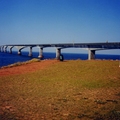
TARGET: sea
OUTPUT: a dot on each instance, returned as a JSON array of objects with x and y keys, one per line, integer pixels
[{"x": 7, "y": 58}]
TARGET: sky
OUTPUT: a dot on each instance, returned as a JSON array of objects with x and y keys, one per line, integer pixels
[{"x": 59, "y": 21}]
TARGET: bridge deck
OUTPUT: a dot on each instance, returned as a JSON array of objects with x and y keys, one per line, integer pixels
[{"x": 92, "y": 47}]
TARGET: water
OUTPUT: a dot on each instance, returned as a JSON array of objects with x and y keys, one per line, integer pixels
[{"x": 6, "y": 58}]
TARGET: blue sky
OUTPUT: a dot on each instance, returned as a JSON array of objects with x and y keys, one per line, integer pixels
[{"x": 59, "y": 21}]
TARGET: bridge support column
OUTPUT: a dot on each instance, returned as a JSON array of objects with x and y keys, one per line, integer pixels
[
  {"x": 2, "y": 49},
  {"x": 10, "y": 47},
  {"x": 30, "y": 52},
  {"x": 58, "y": 52},
  {"x": 5, "y": 49},
  {"x": 40, "y": 53},
  {"x": 91, "y": 54},
  {"x": 19, "y": 52},
  {"x": 10, "y": 50}
]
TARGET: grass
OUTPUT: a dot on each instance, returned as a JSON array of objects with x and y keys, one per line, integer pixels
[{"x": 69, "y": 90}]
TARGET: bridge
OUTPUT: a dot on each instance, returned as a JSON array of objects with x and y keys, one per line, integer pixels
[{"x": 91, "y": 47}]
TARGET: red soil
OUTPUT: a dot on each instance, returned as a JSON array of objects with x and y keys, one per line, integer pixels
[{"x": 31, "y": 67}]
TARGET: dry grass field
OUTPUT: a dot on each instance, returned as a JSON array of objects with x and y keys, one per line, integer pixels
[{"x": 54, "y": 90}]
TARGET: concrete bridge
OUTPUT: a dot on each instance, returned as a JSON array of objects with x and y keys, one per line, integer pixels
[{"x": 91, "y": 47}]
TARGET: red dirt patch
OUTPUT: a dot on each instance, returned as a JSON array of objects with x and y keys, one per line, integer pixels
[{"x": 31, "y": 67}]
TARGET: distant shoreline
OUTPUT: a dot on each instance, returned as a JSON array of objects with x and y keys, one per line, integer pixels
[
  {"x": 7, "y": 59},
  {"x": 34, "y": 60}
]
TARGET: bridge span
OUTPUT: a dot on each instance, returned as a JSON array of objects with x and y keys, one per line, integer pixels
[{"x": 91, "y": 47}]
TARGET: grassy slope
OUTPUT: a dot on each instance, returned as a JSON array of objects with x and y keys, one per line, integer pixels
[{"x": 69, "y": 90}]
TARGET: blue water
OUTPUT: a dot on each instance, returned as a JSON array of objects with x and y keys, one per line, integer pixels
[{"x": 7, "y": 59}]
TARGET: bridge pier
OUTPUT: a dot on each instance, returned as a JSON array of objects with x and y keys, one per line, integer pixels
[
  {"x": 91, "y": 54},
  {"x": 2, "y": 49},
  {"x": 19, "y": 52},
  {"x": 58, "y": 53},
  {"x": 10, "y": 47},
  {"x": 40, "y": 53},
  {"x": 5, "y": 49},
  {"x": 19, "y": 49},
  {"x": 10, "y": 50},
  {"x": 30, "y": 52}
]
